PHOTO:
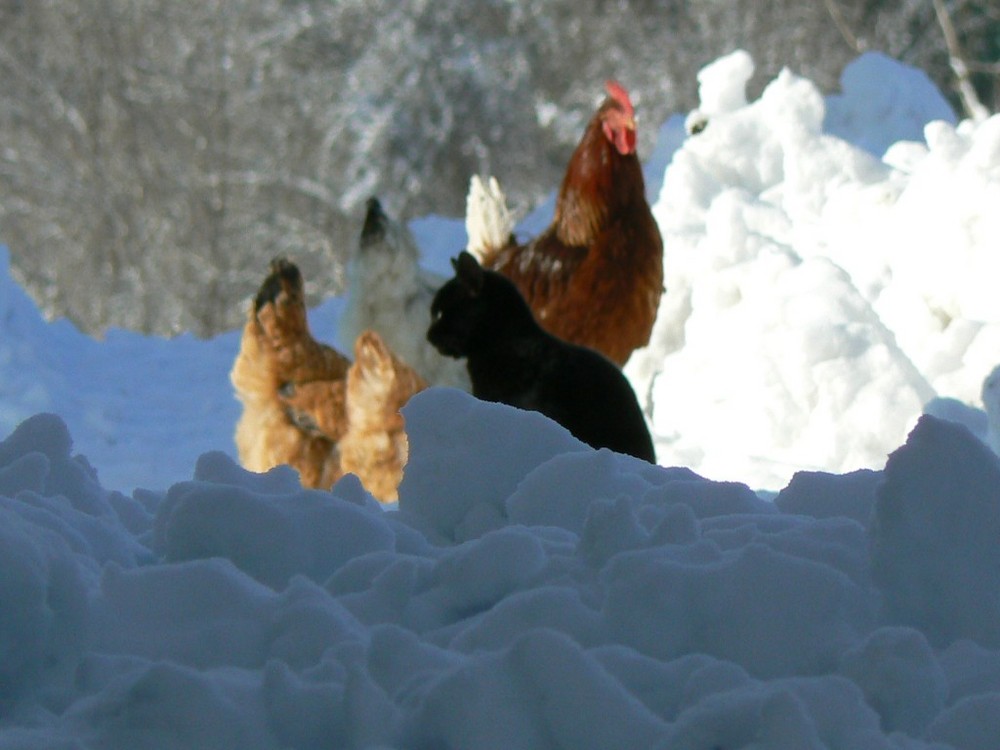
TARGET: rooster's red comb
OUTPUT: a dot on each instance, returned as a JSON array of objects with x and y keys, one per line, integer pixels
[{"x": 617, "y": 92}]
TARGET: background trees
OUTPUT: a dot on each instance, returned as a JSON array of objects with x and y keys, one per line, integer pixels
[{"x": 154, "y": 155}]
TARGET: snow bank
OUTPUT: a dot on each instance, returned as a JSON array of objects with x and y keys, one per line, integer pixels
[
  {"x": 581, "y": 599},
  {"x": 818, "y": 296}
]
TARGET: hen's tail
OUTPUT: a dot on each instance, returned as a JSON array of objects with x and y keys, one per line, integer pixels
[
  {"x": 488, "y": 222},
  {"x": 379, "y": 382}
]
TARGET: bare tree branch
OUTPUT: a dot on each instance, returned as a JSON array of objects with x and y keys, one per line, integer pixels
[
  {"x": 62, "y": 108},
  {"x": 833, "y": 8},
  {"x": 981, "y": 67},
  {"x": 966, "y": 90}
]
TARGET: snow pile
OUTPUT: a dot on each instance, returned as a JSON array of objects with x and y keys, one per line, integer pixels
[
  {"x": 817, "y": 296},
  {"x": 944, "y": 583},
  {"x": 555, "y": 597}
]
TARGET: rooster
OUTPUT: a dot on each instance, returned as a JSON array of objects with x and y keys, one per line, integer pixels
[
  {"x": 297, "y": 392},
  {"x": 594, "y": 277},
  {"x": 388, "y": 292}
]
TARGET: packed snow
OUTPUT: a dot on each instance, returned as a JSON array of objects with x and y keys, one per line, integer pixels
[{"x": 812, "y": 564}]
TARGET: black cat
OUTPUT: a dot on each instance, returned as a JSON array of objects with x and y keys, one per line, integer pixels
[{"x": 480, "y": 315}]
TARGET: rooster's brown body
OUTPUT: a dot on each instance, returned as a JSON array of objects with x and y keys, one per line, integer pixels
[{"x": 594, "y": 277}]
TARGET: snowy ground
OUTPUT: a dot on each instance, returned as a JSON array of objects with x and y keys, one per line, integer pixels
[{"x": 831, "y": 269}]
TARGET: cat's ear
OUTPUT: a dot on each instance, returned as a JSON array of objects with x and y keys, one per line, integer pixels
[{"x": 469, "y": 272}]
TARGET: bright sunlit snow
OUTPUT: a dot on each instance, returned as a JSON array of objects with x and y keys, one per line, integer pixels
[{"x": 812, "y": 565}]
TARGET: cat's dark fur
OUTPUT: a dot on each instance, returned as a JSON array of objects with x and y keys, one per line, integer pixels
[{"x": 480, "y": 315}]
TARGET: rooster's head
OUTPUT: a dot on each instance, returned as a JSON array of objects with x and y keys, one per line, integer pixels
[{"x": 618, "y": 118}]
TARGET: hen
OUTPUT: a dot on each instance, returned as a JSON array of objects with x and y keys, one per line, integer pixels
[
  {"x": 375, "y": 447},
  {"x": 292, "y": 387},
  {"x": 390, "y": 293},
  {"x": 594, "y": 277},
  {"x": 306, "y": 405},
  {"x": 481, "y": 316}
]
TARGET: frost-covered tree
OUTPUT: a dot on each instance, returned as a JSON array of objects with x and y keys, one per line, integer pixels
[{"x": 155, "y": 155}]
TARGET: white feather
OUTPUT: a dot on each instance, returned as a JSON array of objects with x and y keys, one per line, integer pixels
[
  {"x": 488, "y": 222},
  {"x": 390, "y": 293}
]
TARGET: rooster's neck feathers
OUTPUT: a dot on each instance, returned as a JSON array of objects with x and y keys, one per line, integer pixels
[{"x": 592, "y": 188}]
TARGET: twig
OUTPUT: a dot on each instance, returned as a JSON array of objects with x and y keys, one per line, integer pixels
[
  {"x": 841, "y": 23},
  {"x": 966, "y": 90}
]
